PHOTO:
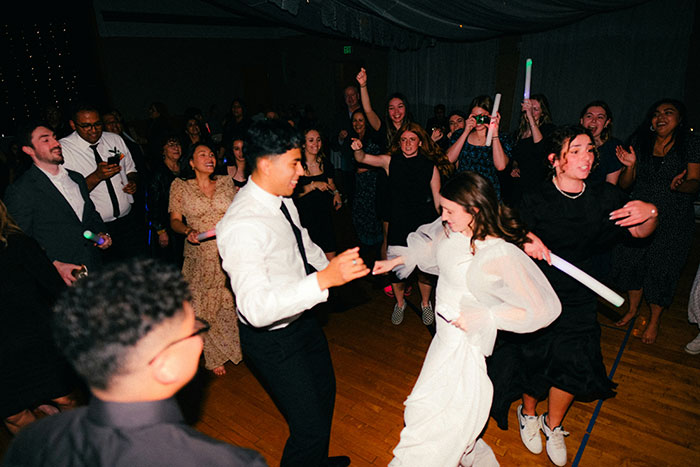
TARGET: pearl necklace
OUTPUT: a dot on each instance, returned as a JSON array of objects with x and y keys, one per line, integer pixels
[{"x": 554, "y": 180}]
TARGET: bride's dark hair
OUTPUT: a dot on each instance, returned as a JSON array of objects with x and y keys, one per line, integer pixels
[{"x": 478, "y": 197}]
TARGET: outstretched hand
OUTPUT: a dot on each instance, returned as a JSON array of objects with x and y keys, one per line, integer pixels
[
  {"x": 633, "y": 213},
  {"x": 356, "y": 144},
  {"x": 345, "y": 267},
  {"x": 626, "y": 158}
]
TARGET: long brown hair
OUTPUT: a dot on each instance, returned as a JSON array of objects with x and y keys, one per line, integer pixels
[
  {"x": 428, "y": 148},
  {"x": 478, "y": 197},
  {"x": 7, "y": 224}
]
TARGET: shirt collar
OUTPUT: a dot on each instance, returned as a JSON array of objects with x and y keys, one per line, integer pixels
[
  {"x": 62, "y": 173},
  {"x": 264, "y": 197},
  {"x": 134, "y": 414}
]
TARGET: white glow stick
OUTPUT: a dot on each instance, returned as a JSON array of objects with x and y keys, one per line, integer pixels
[
  {"x": 585, "y": 279},
  {"x": 496, "y": 104},
  {"x": 206, "y": 235},
  {"x": 528, "y": 75}
]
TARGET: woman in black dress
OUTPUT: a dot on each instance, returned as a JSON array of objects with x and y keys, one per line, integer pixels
[
  {"x": 165, "y": 243},
  {"x": 667, "y": 174},
  {"x": 35, "y": 377},
  {"x": 414, "y": 187},
  {"x": 574, "y": 219},
  {"x": 529, "y": 159},
  {"x": 316, "y": 195},
  {"x": 365, "y": 216}
]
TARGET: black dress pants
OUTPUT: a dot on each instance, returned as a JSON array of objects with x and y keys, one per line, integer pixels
[{"x": 294, "y": 365}]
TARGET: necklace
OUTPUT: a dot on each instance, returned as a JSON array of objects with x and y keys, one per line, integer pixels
[{"x": 554, "y": 180}]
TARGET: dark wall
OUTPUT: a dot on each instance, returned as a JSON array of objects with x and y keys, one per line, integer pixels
[{"x": 280, "y": 74}]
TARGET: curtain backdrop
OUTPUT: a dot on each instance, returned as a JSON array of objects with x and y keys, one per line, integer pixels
[{"x": 628, "y": 58}]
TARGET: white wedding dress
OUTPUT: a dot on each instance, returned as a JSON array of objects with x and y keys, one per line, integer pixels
[{"x": 499, "y": 287}]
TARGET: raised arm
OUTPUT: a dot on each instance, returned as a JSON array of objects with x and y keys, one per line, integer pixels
[
  {"x": 500, "y": 158},
  {"x": 372, "y": 116}
]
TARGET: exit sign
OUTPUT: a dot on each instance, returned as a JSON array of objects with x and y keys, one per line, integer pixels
[{"x": 347, "y": 49}]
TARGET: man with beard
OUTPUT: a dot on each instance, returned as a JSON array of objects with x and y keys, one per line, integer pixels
[{"x": 52, "y": 204}]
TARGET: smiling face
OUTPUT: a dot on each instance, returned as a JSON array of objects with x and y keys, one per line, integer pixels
[
  {"x": 595, "y": 119},
  {"x": 312, "y": 143},
  {"x": 88, "y": 125},
  {"x": 282, "y": 172},
  {"x": 576, "y": 159},
  {"x": 456, "y": 122},
  {"x": 410, "y": 143},
  {"x": 397, "y": 111},
  {"x": 456, "y": 217},
  {"x": 172, "y": 150},
  {"x": 352, "y": 100},
  {"x": 358, "y": 123},
  {"x": 665, "y": 119},
  {"x": 203, "y": 160},
  {"x": 45, "y": 148}
]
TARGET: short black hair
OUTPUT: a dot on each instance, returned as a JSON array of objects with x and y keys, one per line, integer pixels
[
  {"x": 99, "y": 320},
  {"x": 83, "y": 107},
  {"x": 269, "y": 138}
]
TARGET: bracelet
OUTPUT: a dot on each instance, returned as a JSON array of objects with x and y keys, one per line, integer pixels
[
  {"x": 336, "y": 192},
  {"x": 161, "y": 231}
]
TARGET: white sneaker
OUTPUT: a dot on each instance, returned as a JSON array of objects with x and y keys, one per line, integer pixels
[
  {"x": 530, "y": 431},
  {"x": 693, "y": 347},
  {"x": 556, "y": 447},
  {"x": 397, "y": 314}
]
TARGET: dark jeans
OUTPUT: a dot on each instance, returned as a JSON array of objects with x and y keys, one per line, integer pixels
[{"x": 294, "y": 365}]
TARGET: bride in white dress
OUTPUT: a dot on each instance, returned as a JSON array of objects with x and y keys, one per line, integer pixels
[{"x": 486, "y": 283}]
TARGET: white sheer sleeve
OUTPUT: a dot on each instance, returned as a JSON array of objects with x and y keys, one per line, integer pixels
[
  {"x": 420, "y": 251},
  {"x": 511, "y": 293}
]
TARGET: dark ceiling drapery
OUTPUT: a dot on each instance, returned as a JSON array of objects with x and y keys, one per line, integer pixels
[{"x": 410, "y": 24}]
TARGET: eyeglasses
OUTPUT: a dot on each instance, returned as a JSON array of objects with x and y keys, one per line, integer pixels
[
  {"x": 94, "y": 126},
  {"x": 201, "y": 326}
]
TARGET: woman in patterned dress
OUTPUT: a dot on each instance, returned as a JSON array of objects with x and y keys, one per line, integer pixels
[{"x": 198, "y": 200}]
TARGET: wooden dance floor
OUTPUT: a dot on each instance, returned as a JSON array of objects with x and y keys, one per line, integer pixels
[{"x": 653, "y": 421}]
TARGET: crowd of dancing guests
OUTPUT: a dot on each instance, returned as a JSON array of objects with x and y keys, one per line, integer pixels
[{"x": 429, "y": 206}]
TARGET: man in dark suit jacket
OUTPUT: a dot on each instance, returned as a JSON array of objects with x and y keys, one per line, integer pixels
[{"x": 53, "y": 205}]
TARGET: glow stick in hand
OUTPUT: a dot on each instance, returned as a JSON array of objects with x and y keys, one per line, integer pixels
[
  {"x": 94, "y": 237},
  {"x": 585, "y": 279},
  {"x": 496, "y": 104},
  {"x": 206, "y": 235},
  {"x": 528, "y": 74}
]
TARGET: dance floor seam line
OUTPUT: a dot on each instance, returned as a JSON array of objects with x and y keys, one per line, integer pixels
[{"x": 599, "y": 405}]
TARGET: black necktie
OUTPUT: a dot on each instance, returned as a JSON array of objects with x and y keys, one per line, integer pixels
[
  {"x": 297, "y": 233},
  {"x": 110, "y": 187}
]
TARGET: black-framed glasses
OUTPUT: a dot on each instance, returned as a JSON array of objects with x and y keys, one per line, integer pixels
[
  {"x": 94, "y": 126},
  {"x": 200, "y": 327}
]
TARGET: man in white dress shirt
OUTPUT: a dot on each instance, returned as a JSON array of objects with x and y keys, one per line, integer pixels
[
  {"x": 271, "y": 262},
  {"x": 105, "y": 161}
]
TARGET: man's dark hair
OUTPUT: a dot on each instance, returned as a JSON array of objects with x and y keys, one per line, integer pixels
[
  {"x": 83, "y": 107},
  {"x": 99, "y": 320},
  {"x": 269, "y": 138},
  {"x": 25, "y": 130}
]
